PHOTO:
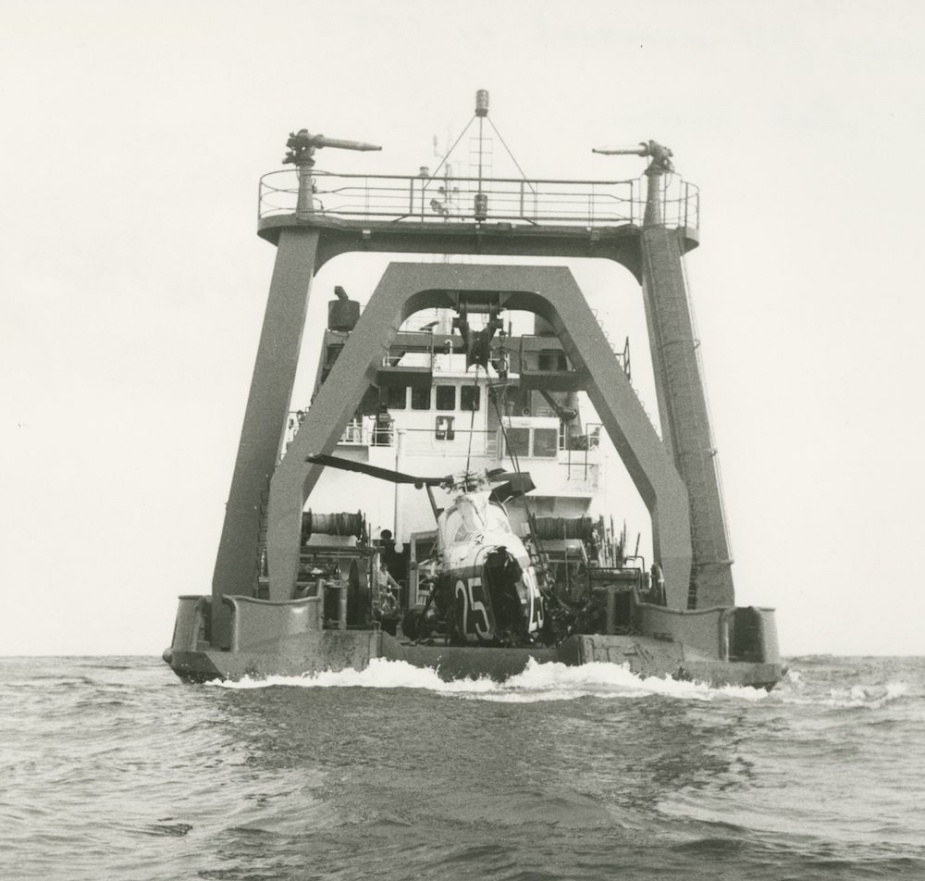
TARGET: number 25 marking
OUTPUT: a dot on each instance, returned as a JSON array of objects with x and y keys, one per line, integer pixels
[
  {"x": 464, "y": 589},
  {"x": 535, "y": 601}
]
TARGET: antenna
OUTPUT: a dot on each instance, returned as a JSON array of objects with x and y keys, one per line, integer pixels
[
  {"x": 480, "y": 198},
  {"x": 481, "y": 111}
]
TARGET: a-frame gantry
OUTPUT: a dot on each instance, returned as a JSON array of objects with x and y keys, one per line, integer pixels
[{"x": 675, "y": 476}]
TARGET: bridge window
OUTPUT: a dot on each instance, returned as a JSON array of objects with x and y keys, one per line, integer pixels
[
  {"x": 540, "y": 443},
  {"x": 395, "y": 398},
  {"x": 552, "y": 359},
  {"x": 420, "y": 398},
  {"x": 545, "y": 442},
  {"x": 469, "y": 397},
  {"x": 517, "y": 441},
  {"x": 446, "y": 397}
]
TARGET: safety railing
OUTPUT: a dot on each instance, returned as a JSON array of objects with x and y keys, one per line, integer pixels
[
  {"x": 448, "y": 434},
  {"x": 396, "y": 198},
  {"x": 576, "y": 476}
]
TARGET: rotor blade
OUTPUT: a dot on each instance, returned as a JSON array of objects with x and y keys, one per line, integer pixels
[{"x": 373, "y": 471}]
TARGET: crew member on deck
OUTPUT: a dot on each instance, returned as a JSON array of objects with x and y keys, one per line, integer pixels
[
  {"x": 386, "y": 591},
  {"x": 387, "y": 552},
  {"x": 382, "y": 432}
]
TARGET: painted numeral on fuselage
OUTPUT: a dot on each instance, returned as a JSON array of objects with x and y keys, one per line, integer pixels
[
  {"x": 534, "y": 600},
  {"x": 470, "y": 605}
]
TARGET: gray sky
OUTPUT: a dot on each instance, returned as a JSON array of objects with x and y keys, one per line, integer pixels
[{"x": 132, "y": 282}]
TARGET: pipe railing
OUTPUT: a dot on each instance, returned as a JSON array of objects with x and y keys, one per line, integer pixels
[{"x": 413, "y": 198}]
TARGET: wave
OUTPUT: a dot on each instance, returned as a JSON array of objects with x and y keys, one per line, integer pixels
[
  {"x": 868, "y": 696},
  {"x": 797, "y": 689},
  {"x": 538, "y": 682}
]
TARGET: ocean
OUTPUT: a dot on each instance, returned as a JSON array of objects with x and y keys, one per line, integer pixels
[{"x": 111, "y": 768}]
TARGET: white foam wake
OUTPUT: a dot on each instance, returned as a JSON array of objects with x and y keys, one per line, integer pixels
[
  {"x": 538, "y": 682},
  {"x": 796, "y": 690}
]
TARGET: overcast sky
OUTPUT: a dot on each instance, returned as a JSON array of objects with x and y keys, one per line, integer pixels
[{"x": 132, "y": 282}]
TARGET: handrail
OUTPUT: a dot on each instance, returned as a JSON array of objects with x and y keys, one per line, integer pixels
[{"x": 412, "y": 198}]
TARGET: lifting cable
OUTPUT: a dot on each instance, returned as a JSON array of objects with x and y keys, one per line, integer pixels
[{"x": 475, "y": 385}]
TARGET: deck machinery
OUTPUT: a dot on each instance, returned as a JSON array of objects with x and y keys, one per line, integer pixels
[{"x": 256, "y": 621}]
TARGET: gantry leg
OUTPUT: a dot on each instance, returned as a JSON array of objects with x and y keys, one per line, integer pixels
[
  {"x": 683, "y": 412},
  {"x": 236, "y": 568}
]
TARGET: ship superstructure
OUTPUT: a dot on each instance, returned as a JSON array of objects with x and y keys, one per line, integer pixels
[{"x": 437, "y": 376}]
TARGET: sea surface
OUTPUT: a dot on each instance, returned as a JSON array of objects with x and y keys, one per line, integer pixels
[{"x": 111, "y": 768}]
